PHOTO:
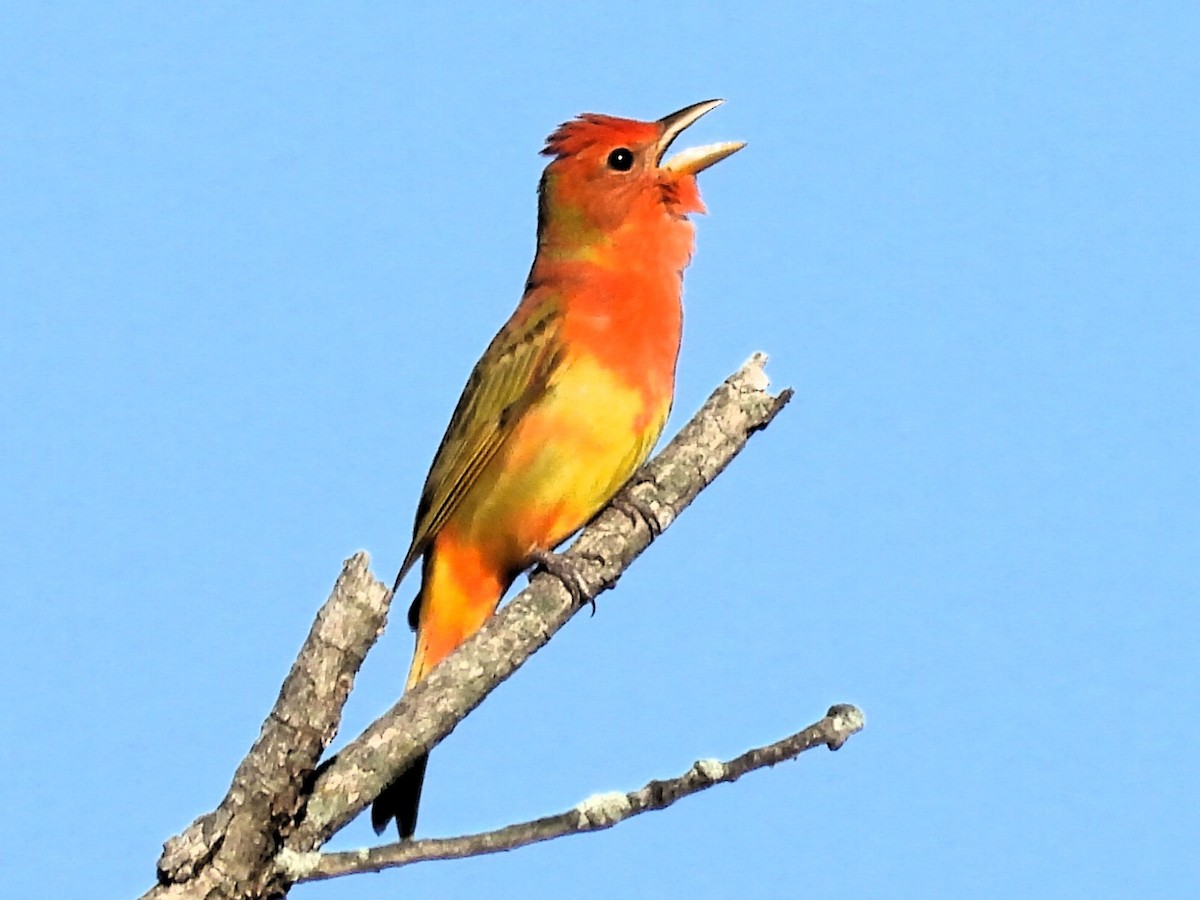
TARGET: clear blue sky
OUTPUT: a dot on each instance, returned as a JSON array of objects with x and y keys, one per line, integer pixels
[{"x": 247, "y": 257}]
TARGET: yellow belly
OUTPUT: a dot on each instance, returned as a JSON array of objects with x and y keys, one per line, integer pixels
[{"x": 571, "y": 452}]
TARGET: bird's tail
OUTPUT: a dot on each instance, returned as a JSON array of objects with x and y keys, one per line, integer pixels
[
  {"x": 400, "y": 800},
  {"x": 457, "y": 596}
]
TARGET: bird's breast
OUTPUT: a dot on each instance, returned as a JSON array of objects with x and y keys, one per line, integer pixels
[
  {"x": 631, "y": 323},
  {"x": 571, "y": 452}
]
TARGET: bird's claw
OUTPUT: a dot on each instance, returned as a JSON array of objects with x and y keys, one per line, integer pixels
[
  {"x": 638, "y": 510},
  {"x": 565, "y": 571}
]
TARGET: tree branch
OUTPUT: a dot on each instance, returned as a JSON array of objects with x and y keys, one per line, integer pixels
[
  {"x": 280, "y": 804},
  {"x": 235, "y": 844},
  {"x": 593, "y": 814},
  {"x": 424, "y": 715}
]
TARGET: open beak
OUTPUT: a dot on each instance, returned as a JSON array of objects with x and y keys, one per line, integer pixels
[{"x": 695, "y": 159}]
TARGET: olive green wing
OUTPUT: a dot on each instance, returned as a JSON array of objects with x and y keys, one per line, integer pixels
[{"x": 510, "y": 377}]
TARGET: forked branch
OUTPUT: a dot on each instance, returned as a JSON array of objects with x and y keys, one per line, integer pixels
[{"x": 282, "y": 807}]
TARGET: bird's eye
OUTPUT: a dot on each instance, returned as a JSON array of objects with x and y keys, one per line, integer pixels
[{"x": 621, "y": 159}]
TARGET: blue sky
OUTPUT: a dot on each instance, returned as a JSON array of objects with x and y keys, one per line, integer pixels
[{"x": 248, "y": 256}]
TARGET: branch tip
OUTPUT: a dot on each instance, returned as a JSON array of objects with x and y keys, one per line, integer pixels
[
  {"x": 846, "y": 720},
  {"x": 755, "y": 372}
]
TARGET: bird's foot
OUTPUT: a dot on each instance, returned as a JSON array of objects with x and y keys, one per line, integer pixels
[
  {"x": 565, "y": 571},
  {"x": 637, "y": 510}
]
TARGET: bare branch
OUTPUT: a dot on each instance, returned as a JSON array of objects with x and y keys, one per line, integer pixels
[
  {"x": 593, "y": 814},
  {"x": 430, "y": 710},
  {"x": 280, "y": 806},
  {"x": 234, "y": 844}
]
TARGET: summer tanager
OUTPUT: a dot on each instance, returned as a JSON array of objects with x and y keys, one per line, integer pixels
[{"x": 572, "y": 394}]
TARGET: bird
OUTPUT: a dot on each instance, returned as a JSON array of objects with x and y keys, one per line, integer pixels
[{"x": 571, "y": 394}]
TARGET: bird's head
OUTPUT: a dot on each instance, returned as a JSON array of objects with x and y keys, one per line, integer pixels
[{"x": 609, "y": 174}]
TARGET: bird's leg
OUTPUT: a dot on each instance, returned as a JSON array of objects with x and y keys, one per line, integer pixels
[
  {"x": 636, "y": 509},
  {"x": 566, "y": 572}
]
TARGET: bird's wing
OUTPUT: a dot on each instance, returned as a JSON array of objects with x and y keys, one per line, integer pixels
[{"x": 510, "y": 377}]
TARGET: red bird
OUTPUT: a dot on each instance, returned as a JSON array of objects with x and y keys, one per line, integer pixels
[{"x": 572, "y": 394}]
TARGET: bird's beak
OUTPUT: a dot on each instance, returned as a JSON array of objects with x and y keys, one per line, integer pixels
[{"x": 695, "y": 159}]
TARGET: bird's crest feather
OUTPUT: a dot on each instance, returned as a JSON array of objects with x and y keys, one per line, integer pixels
[{"x": 575, "y": 136}]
